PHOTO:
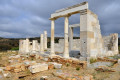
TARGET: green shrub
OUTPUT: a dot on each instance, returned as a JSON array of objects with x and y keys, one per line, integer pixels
[
  {"x": 93, "y": 60},
  {"x": 15, "y": 48},
  {"x": 67, "y": 64},
  {"x": 78, "y": 68}
]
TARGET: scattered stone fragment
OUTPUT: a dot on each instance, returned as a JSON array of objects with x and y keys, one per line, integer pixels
[
  {"x": 1, "y": 70},
  {"x": 60, "y": 75},
  {"x": 29, "y": 63},
  {"x": 51, "y": 66},
  {"x": 104, "y": 69},
  {"x": 45, "y": 59},
  {"x": 6, "y": 74},
  {"x": 38, "y": 67},
  {"x": 56, "y": 65},
  {"x": 44, "y": 78},
  {"x": 14, "y": 57},
  {"x": 118, "y": 61},
  {"x": 59, "y": 71}
]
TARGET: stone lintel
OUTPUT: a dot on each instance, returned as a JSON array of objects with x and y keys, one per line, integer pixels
[
  {"x": 70, "y": 10},
  {"x": 74, "y": 25}
]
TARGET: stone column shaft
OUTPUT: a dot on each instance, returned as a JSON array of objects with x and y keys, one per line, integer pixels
[
  {"x": 66, "y": 44},
  {"x": 52, "y": 37},
  {"x": 41, "y": 44},
  {"x": 27, "y": 45},
  {"x": 20, "y": 45},
  {"x": 34, "y": 45},
  {"x": 70, "y": 38},
  {"x": 45, "y": 40}
]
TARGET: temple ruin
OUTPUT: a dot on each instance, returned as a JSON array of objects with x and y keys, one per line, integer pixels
[
  {"x": 90, "y": 44},
  {"x": 27, "y": 46}
]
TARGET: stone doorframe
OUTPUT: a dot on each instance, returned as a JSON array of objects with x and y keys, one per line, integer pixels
[{"x": 71, "y": 27}]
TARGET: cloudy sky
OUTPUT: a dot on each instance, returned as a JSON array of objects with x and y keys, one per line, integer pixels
[{"x": 29, "y": 18}]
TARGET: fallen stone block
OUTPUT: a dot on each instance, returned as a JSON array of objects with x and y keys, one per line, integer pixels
[
  {"x": 17, "y": 70},
  {"x": 104, "y": 69},
  {"x": 6, "y": 74},
  {"x": 23, "y": 68},
  {"x": 44, "y": 78},
  {"x": 51, "y": 66},
  {"x": 38, "y": 67},
  {"x": 17, "y": 66},
  {"x": 1, "y": 69},
  {"x": 45, "y": 59},
  {"x": 56, "y": 65},
  {"x": 8, "y": 68},
  {"x": 14, "y": 57},
  {"x": 118, "y": 61},
  {"x": 60, "y": 75},
  {"x": 29, "y": 63}
]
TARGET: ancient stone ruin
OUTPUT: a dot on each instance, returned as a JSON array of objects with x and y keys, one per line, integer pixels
[
  {"x": 90, "y": 44},
  {"x": 69, "y": 59},
  {"x": 25, "y": 46}
]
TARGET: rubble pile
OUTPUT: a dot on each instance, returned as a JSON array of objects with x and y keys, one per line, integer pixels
[
  {"x": 72, "y": 61},
  {"x": 67, "y": 76}
]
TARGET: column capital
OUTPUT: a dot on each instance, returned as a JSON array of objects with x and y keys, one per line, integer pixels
[
  {"x": 67, "y": 15},
  {"x": 52, "y": 19}
]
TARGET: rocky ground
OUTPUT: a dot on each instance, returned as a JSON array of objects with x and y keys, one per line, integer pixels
[{"x": 40, "y": 67}]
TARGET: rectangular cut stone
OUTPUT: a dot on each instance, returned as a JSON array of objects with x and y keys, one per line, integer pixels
[
  {"x": 90, "y": 34},
  {"x": 56, "y": 65},
  {"x": 70, "y": 10},
  {"x": 38, "y": 67},
  {"x": 118, "y": 61},
  {"x": 87, "y": 34}
]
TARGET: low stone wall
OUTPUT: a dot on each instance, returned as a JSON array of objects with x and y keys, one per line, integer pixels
[
  {"x": 71, "y": 61},
  {"x": 59, "y": 47}
]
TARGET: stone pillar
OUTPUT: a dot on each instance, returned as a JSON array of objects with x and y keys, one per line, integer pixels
[
  {"x": 24, "y": 46},
  {"x": 52, "y": 38},
  {"x": 70, "y": 38},
  {"x": 20, "y": 46},
  {"x": 86, "y": 34},
  {"x": 27, "y": 45},
  {"x": 41, "y": 44},
  {"x": 66, "y": 44},
  {"x": 34, "y": 46},
  {"x": 45, "y": 40}
]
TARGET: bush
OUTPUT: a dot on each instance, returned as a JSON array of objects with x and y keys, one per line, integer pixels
[
  {"x": 78, "y": 68},
  {"x": 93, "y": 60},
  {"x": 67, "y": 64},
  {"x": 15, "y": 48}
]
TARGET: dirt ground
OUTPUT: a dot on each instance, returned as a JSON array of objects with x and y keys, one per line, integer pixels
[{"x": 97, "y": 75}]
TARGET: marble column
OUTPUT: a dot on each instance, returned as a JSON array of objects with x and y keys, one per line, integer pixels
[
  {"x": 41, "y": 44},
  {"x": 27, "y": 45},
  {"x": 20, "y": 45},
  {"x": 52, "y": 37},
  {"x": 70, "y": 38},
  {"x": 66, "y": 44},
  {"x": 45, "y": 40},
  {"x": 34, "y": 45}
]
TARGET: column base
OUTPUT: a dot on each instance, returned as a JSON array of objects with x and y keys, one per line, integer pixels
[
  {"x": 52, "y": 54},
  {"x": 41, "y": 52},
  {"x": 66, "y": 55},
  {"x": 83, "y": 58}
]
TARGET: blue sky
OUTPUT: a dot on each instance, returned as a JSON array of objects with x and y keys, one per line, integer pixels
[{"x": 29, "y": 18}]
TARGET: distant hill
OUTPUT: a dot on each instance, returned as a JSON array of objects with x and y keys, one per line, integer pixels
[{"x": 13, "y": 43}]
